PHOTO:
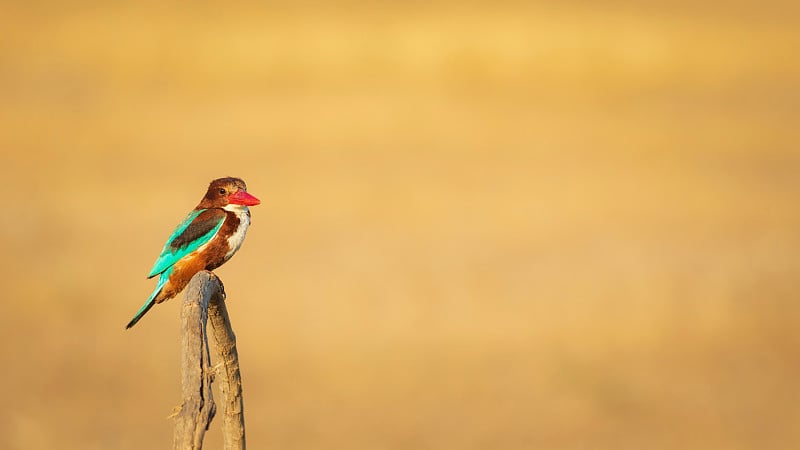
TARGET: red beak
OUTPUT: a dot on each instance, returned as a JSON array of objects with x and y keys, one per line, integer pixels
[{"x": 243, "y": 198}]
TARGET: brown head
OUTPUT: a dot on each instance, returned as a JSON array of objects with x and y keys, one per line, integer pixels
[{"x": 227, "y": 191}]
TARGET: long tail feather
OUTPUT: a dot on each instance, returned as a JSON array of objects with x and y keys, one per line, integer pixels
[
  {"x": 146, "y": 307},
  {"x": 150, "y": 301}
]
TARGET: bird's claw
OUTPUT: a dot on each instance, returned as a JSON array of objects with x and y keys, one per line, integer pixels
[{"x": 221, "y": 284}]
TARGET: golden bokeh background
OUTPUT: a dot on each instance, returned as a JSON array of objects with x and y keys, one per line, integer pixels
[{"x": 533, "y": 225}]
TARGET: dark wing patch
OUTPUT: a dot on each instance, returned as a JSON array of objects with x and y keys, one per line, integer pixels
[{"x": 200, "y": 226}]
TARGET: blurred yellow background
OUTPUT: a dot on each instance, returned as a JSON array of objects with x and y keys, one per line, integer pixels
[{"x": 552, "y": 225}]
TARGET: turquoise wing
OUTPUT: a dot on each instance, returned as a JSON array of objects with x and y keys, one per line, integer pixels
[{"x": 198, "y": 228}]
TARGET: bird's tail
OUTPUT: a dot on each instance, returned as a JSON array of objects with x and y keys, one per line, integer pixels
[{"x": 162, "y": 280}]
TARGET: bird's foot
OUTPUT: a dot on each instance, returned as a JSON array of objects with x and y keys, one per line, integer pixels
[
  {"x": 221, "y": 284},
  {"x": 222, "y": 290}
]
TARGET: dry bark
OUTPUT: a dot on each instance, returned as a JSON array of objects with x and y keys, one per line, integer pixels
[{"x": 205, "y": 298}]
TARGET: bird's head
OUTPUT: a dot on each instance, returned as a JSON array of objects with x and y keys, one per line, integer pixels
[{"x": 228, "y": 193}]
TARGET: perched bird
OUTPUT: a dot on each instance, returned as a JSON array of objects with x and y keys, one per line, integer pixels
[{"x": 205, "y": 240}]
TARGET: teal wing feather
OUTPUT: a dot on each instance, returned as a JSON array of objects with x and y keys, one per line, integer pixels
[{"x": 178, "y": 245}]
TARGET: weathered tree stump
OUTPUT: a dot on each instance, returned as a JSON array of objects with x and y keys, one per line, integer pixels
[{"x": 204, "y": 299}]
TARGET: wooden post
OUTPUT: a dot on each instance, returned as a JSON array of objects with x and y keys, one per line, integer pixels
[
  {"x": 204, "y": 299},
  {"x": 231, "y": 387}
]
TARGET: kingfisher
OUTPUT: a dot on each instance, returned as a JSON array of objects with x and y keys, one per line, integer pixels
[{"x": 207, "y": 238}]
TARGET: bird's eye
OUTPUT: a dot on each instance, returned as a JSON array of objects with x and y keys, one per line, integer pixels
[{"x": 221, "y": 191}]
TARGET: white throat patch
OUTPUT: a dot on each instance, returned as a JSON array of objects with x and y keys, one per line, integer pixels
[{"x": 236, "y": 239}]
